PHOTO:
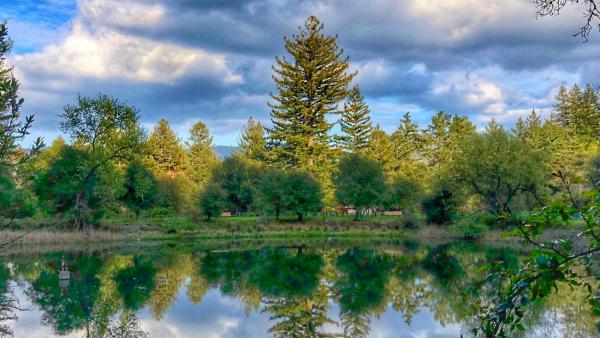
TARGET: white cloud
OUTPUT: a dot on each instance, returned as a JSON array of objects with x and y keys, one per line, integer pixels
[{"x": 107, "y": 54}]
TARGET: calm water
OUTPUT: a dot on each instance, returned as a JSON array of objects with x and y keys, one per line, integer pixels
[{"x": 328, "y": 288}]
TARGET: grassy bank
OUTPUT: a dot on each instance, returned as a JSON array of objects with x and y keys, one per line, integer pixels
[{"x": 247, "y": 227}]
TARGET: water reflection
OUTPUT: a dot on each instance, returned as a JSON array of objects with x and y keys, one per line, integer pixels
[{"x": 301, "y": 290}]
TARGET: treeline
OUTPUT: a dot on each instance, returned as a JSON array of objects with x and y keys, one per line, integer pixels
[{"x": 447, "y": 171}]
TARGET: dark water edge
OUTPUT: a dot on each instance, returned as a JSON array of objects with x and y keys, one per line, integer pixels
[{"x": 330, "y": 287}]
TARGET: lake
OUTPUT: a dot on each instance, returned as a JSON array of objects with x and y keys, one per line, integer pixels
[{"x": 270, "y": 288}]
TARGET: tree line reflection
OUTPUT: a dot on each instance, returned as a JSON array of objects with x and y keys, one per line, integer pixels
[{"x": 295, "y": 287}]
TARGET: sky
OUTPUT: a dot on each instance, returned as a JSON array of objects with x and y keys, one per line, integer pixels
[{"x": 187, "y": 60}]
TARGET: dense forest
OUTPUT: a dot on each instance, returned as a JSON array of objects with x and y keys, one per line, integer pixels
[{"x": 543, "y": 172}]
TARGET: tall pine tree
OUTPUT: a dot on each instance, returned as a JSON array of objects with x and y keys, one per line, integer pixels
[
  {"x": 355, "y": 123},
  {"x": 252, "y": 141},
  {"x": 202, "y": 156},
  {"x": 309, "y": 87},
  {"x": 579, "y": 110},
  {"x": 167, "y": 153}
]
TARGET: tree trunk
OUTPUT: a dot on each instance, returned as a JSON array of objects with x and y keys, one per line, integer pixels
[
  {"x": 300, "y": 217},
  {"x": 357, "y": 214}
]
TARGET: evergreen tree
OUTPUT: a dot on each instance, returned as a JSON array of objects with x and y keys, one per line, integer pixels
[
  {"x": 355, "y": 123},
  {"x": 202, "y": 156},
  {"x": 252, "y": 141},
  {"x": 381, "y": 149},
  {"x": 309, "y": 86},
  {"x": 579, "y": 110},
  {"x": 441, "y": 138},
  {"x": 408, "y": 144},
  {"x": 12, "y": 129},
  {"x": 165, "y": 149}
]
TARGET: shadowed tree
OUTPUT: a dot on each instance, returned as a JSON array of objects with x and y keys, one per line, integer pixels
[
  {"x": 359, "y": 182},
  {"x": 141, "y": 188}
]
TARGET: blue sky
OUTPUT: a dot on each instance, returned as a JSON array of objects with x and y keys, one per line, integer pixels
[{"x": 211, "y": 60}]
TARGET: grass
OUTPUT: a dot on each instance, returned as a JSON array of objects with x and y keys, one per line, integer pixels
[{"x": 119, "y": 228}]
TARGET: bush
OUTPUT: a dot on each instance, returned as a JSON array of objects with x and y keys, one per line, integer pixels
[
  {"x": 471, "y": 226},
  {"x": 441, "y": 208}
]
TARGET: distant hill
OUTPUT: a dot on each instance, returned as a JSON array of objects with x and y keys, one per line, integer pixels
[{"x": 225, "y": 151}]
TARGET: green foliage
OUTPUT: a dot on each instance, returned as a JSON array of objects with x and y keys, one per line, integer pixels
[
  {"x": 366, "y": 274},
  {"x": 14, "y": 202},
  {"x": 309, "y": 87},
  {"x": 579, "y": 110},
  {"x": 12, "y": 129},
  {"x": 175, "y": 192},
  {"x": 202, "y": 156},
  {"x": 407, "y": 143},
  {"x": 498, "y": 167},
  {"x": 381, "y": 149},
  {"x": 141, "y": 188},
  {"x": 271, "y": 191},
  {"x": 440, "y": 208},
  {"x": 106, "y": 132},
  {"x": 470, "y": 226},
  {"x": 253, "y": 142},
  {"x": 212, "y": 201},
  {"x": 61, "y": 188},
  {"x": 235, "y": 176},
  {"x": 359, "y": 182},
  {"x": 297, "y": 274},
  {"x": 402, "y": 194},
  {"x": 442, "y": 139},
  {"x": 69, "y": 308},
  {"x": 166, "y": 152},
  {"x": 302, "y": 194},
  {"x": 135, "y": 283},
  {"x": 355, "y": 123}
]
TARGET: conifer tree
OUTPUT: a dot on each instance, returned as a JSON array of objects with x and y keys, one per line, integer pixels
[
  {"x": 442, "y": 136},
  {"x": 381, "y": 149},
  {"x": 202, "y": 156},
  {"x": 12, "y": 128},
  {"x": 309, "y": 87},
  {"x": 252, "y": 141},
  {"x": 355, "y": 123},
  {"x": 166, "y": 150},
  {"x": 408, "y": 145},
  {"x": 579, "y": 110}
]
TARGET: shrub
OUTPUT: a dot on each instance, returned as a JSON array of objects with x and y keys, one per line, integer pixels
[
  {"x": 441, "y": 208},
  {"x": 471, "y": 226}
]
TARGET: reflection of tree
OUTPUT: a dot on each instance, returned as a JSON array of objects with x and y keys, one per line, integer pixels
[
  {"x": 361, "y": 289},
  {"x": 298, "y": 317},
  {"x": 167, "y": 282},
  {"x": 67, "y": 307},
  {"x": 228, "y": 270},
  {"x": 8, "y": 302},
  {"x": 355, "y": 325},
  {"x": 408, "y": 294},
  {"x": 127, "y": 327},
  {"x": 135, "y": 283},
  {"x": 281, "y": 273},
  {"x": 197, "y": 287}
]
